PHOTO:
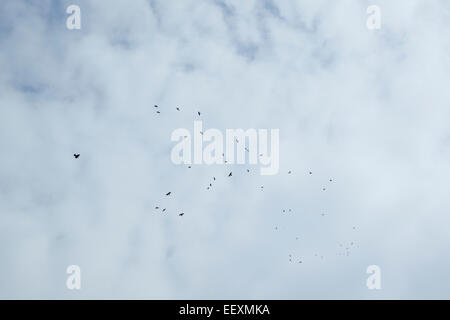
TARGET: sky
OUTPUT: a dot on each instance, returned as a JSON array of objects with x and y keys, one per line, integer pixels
[{"x": 367, "y": 109}]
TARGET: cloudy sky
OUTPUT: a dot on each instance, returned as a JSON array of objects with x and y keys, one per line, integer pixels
[{"x": 368, "y": 109}]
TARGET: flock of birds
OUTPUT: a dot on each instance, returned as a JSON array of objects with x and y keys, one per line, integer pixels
[{"x": 291, "y": 258}]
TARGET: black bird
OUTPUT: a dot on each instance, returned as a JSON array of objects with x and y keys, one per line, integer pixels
[
  {"x": 198, "y": 112},
  {"x": 189, "y": 167},
  {"x": 248, "y": 170},
  {"x": 178, "y": 109},
  {"x": 289, "y": 172},
  {"x": 181, "y": 214},
  {"x": 168, "y": 193},
  {"x": 156, "y": 207},
  {"x": 163, "y": 209},
  {"x": 155, "y": 106},
  {"x": 158, "y": 112},
  {"x": 214, "y": 178},
  {"x": 331, "y": 180},
  {"x": 310, "y": 172},
  {"x": 210, "y": 185},
  {"x": 231, "y": 173},
  {"x": 76, "y": 155}
]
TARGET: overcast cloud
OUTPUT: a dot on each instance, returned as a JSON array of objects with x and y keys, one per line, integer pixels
[{"x": 368, "y": 109}]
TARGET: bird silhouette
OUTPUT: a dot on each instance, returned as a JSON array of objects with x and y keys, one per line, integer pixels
[
  {"x": 76, "y": 155},
  {"x": 156, "y": 106},
  {"x": 181, "y": 214},
  {"x": 168, "y": 193},
  {"x": 198, "y": 112},
  {"x": 178, "y": 109},
  {"x": 231, "y": 173}
]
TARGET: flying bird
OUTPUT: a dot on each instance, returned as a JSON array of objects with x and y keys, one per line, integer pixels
[
  {"x": 198, "y": 112},
  {"x": 163, "y": 209},
  {"x": 178, "y": 109},
  {"x": 231, "y": 173},
  {"x": 76, "y": 155},
  {"x": 156, "y": 207},
  {"x": 181, "y": 214},
  {"x": 156, "y": 106},
  {"x": 158, "y": 112},
  {"x": 168, "y": 193}
]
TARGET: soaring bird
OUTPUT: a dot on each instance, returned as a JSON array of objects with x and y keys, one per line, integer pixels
[
  {"x": 178, "y": 109},
  {"x": 181, "y": 214},
  {"x": 168, "y": 193},
  {"x": 198, "y": 112},
  {"x": 76, "y": 155},
  {"x": 156, "y": 106},
  {"x": 231, "y": 173}
]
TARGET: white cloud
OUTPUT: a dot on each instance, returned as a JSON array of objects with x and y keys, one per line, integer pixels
[{"x": 366, "y": 108}]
